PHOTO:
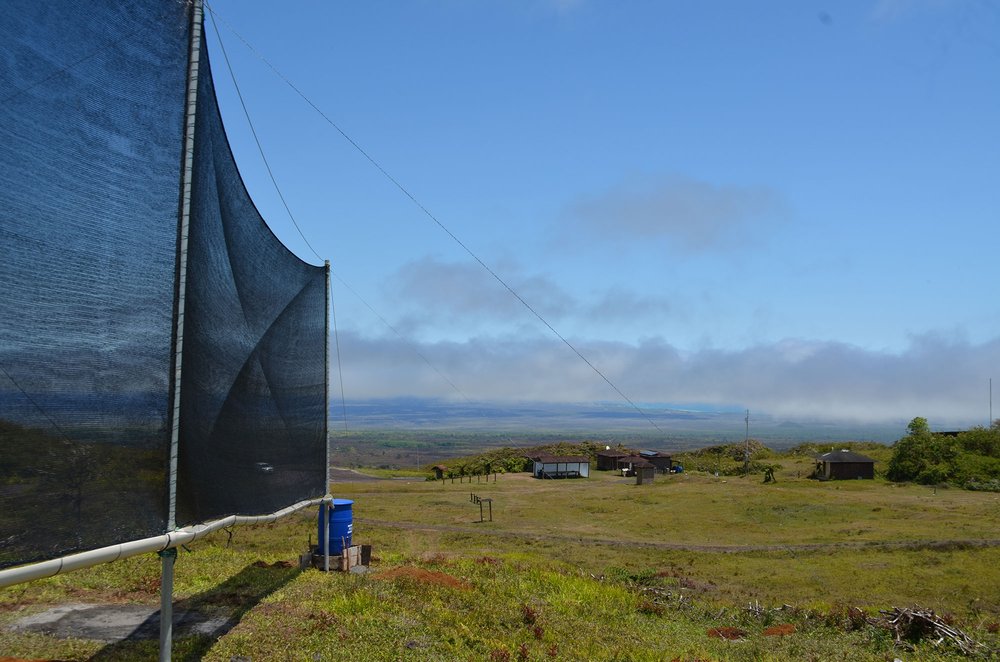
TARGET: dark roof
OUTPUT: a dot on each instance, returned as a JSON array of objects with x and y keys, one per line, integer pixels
[
  {"x": 844, "y": 456},
  {"x": 560, "y": 458},
  {"x": 612, "y": 453}
]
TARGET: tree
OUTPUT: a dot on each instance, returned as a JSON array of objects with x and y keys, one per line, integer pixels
[
  {"x": 922, "y": 456},
  {"x": 919, "y": 427}
]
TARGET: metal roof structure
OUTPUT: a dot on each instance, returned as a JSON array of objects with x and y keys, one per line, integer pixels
[{"x": 562, "y": 459}]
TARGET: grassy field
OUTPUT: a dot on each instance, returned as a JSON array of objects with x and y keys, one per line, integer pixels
[{"x": 577, "y": 569}]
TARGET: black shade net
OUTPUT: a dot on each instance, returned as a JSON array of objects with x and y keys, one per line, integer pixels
[
  {"x": 253, "y": 394},
  {"x": 92, "y": 101}
]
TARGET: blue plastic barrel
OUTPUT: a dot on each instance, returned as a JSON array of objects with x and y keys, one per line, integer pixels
[{"x": 341, "y": 524}]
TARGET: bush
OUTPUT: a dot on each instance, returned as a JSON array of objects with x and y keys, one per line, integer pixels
[{"x": 972, "y": 457}]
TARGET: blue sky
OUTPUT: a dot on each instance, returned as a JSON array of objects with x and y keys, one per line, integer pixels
[{"x": 790, "y": 206}]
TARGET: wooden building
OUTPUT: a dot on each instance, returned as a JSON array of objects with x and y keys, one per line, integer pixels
[
  {"x": 661, "y": 461},
  {"x": 844, "y": 464},
  {"x": 629, "y": 465},
  {"x": 610, "y": 459},
  {"x": 562, "y": 466}
]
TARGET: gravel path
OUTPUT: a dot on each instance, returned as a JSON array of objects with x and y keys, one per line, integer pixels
[{"x": 338, "y": 475}]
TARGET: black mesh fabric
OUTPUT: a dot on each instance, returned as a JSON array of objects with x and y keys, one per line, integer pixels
[
  {"x": 92, "y": 99},
  {"x": 253, "y": 395},
  {"x": 91, "y": 107}
]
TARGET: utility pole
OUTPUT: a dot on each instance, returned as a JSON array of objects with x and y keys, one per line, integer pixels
[{"x": 746, "y": 450}]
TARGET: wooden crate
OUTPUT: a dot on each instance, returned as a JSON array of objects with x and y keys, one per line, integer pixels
[{"x": 355, "y": 555}]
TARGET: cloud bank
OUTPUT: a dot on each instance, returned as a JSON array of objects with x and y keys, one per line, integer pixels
[{"x": 939, "y": 378}]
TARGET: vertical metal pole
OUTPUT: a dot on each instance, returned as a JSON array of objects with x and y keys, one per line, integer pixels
[
  {"x": 168, "y": 557},
  {"x": 325, "y": 510},
  {"x": 166, "y": 604},
  {"x": 746, "y": 450},
  {"x": 326, "y": 426},
  {"x": 326, "y": 380}
]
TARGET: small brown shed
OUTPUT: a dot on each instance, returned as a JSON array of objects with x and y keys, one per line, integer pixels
[
  {"x": 844, "y": 464},
  {"x": 644, "y": 472}
]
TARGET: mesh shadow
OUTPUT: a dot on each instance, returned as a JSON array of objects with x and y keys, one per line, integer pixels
[{"x": 200, "y": 620}]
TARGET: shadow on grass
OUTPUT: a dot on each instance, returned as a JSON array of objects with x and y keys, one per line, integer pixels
[{"x": 200, "y": 620}]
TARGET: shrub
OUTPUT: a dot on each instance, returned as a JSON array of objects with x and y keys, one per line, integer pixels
[{"x": 970, "y": 458}]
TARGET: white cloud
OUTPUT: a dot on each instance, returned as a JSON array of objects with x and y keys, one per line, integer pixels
[
  {"x": 684, "y": 213},
  {"x": 619, "y": 304},
  {"x": 435, "y": 298},
  {"x": 436, "y": 293}
]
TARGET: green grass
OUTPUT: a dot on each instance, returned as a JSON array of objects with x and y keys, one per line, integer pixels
[
  {"x": 692, "y": 509},
  {"x": 575, "y": 569}
]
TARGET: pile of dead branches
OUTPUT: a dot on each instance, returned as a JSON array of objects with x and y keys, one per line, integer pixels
[
  {"x": 666, "y": 597},
  {"x": 912, "y": 625}
]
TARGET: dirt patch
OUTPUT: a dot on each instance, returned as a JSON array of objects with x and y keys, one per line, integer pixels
[
  {"x": 111, "y": 623},
  {"x": 727, "y": 633},
  {"x": 779, "y": 630},
  {"x": 431, "y": 577},
  {"x": 276, "y": 564}
]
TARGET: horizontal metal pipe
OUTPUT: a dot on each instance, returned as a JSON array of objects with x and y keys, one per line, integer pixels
[{"x": 27, "y": 573}]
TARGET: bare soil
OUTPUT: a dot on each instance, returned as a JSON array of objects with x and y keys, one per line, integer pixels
[{"x": 423, "y": 576}]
